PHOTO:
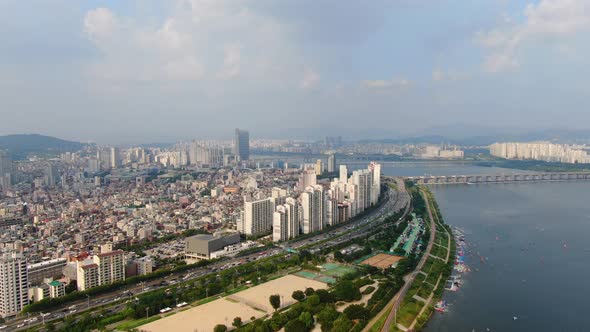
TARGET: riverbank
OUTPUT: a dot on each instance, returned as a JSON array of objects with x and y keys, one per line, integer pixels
[{"x": 414, "y": 304}]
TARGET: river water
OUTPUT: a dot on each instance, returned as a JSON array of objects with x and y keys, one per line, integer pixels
[{"x": 529, "y": 253}]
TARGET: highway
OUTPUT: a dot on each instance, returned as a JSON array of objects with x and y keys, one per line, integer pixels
[{"x": 395, "y": 201}]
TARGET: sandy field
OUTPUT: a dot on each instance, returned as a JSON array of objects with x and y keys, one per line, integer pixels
[
  {"x": 203, "y": 318},
  {"x": 381, "y": 261},
  {"x": 257, "y": 297}
]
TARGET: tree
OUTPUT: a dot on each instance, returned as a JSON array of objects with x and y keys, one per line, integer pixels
[
  {"x": 309, "y": 291},
  {"x": 307, "y": 319},
  {"x": 296, "y": 326},
  {"x": 325, "y": 296},
  {"x": 50, "y": 326},
  {"x": 327, "y": 316},
  {"x": 342, "y": 324},
  {"x": 345, "y": 291},
  {"x": 237, "y": 323},
  {"x": 356, "y": 311},
  {"x": 313, "y": 300},
  {"x": 298, "y": 295},
  {"x": 220, "y": 328},
  {"x": 275, "y": 301}
]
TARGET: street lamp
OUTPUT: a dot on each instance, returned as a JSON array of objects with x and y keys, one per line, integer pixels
[
  {"x": 147, "y": 312},
  {"x": 87, "y": 301}
]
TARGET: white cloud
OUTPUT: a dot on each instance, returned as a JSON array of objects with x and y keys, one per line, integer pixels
[
  {"x": 231, "y": 62},
  {"x": 385, "y": 84},
  {"x": 310, "y": 79},
  {"x": 547, "y": 19},
  {"x": 197, "y": 40},
  {"x": 100, "y": 23}
]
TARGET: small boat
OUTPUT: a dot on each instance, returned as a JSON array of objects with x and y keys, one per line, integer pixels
[{"x": 441, "y": 306}]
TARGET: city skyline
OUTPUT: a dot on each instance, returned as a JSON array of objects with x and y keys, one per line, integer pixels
[{"x": 130, "y": 72}]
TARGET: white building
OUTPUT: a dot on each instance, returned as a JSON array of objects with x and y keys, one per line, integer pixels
[
  {"x": 14, "y": 289},
  {"x": 145, "y": 266},
  {"x": 102, "y": 269},
  {"x": 313, "y": 209},
  {"x": 258, "y": 216},
  {"x": 287, "y": 220}
]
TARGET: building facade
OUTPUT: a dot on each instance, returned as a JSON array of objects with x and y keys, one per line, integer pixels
[{"x": 14, "y": 284}]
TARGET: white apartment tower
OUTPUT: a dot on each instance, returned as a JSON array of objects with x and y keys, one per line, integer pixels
[
  {"x": 287, "y": 220},
  {"x": 111, "y": 266},
  {"x": 343, "y": 174},
  {"x": 258, "y": 216},
  {"x": 313, "y": 208},
  {"x": 14, "y": 289}
]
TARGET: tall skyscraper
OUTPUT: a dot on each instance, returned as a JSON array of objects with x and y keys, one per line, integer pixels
[
  {"x": 242, "y": 144},
  {"x": 363, "y": 182},
  {"x": 313, "y": 208},
  {"x": 114, "y": 158},
  {"x": 5, "y": 169},
  {"x": 14, "y": 289},
  {"x": 331, "y": 167},
  {"x": 51, "y": 175}
]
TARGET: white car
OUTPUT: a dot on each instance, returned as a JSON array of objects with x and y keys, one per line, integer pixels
[
  {"x": 20, "y": 325},
  {"x": 3, "y": 327}
]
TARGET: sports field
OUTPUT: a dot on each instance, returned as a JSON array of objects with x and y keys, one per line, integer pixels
[
  {"x": 381, "y": 261},
  {"x": 257, "y": 297},
  {"x": 252, "y": 302}
]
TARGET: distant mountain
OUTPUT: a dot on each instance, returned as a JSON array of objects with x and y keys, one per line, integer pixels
[{"x": 22, "y": 145}]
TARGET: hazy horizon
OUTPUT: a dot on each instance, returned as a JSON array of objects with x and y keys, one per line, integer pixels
[{"x": 162, "y": 71}]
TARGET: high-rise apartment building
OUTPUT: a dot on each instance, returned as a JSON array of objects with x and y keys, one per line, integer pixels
[
  {"x": 343, "y": 174},
  {"x": 258, "y": 216},
  {"x": 287, "y": 220},
  {"x": 14, "y": 289},
  {"x": 313, "y": 209},
  {"x": 242, "y": 144},
  {"x": 307, "y": 178},
  {"x": 319, "y": 167}
]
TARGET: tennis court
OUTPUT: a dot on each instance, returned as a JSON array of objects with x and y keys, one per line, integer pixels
[
  {"x": 336, "y": 270},
  {"x": 382, "y": 261}
]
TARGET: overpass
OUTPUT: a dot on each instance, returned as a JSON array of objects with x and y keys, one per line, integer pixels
[{"x": 501, "y": 178}]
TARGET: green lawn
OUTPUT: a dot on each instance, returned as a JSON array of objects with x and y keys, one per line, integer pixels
[{"x": 126, "y": 326}]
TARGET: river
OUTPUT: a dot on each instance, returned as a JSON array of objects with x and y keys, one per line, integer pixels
[
  {"x": 536, "y": 254},
  {"x": 530, "y": 254}
]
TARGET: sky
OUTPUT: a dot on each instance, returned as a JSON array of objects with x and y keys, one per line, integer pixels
[{"x": 163, "y": 70}]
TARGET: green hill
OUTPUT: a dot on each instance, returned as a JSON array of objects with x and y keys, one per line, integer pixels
[{"x": 22, "y": 145}]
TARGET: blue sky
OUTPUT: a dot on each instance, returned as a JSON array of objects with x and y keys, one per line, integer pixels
[{"x": 162, "y": 70}]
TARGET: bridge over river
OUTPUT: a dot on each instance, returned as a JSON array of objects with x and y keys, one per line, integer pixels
[{"x": 501, "y": 178}]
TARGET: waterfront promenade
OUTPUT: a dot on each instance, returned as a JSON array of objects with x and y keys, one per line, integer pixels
[{"x": 409, "y": 279}]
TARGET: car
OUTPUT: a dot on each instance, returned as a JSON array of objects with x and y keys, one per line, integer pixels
[
  {"x": 20, "y": 325},
  {"x": 3, "y": 327}
]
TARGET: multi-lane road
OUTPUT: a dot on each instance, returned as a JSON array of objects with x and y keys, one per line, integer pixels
[{"x": 394, "y": 202}]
